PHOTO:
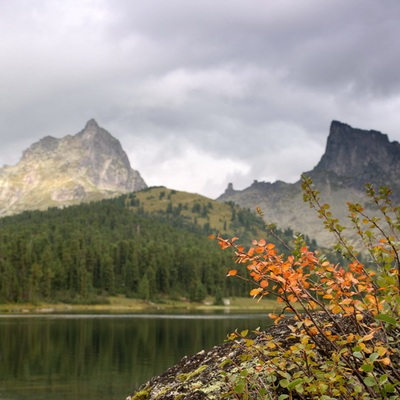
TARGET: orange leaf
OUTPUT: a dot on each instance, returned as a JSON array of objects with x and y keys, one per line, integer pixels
[
  {"x": 367, "y": 337},
  {"x": 313, "y": 305},
  {"x": 359, "y": 317},
  {"x": 336, "y": 309},
  {"x": 232, "y": 272},
  {"x": 325, "y": 264},
  {"x": 255, "y": 276},
  {"x": 255, "y": 292},
  {"x": 292, "y": 298},
  {"x": 313, "y": 330},
  {"x": 385, "y": 361},
  {"x": 262, "y": 242}
]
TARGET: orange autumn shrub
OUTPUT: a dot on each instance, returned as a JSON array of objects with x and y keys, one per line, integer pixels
[{"x": 345, "y": 330}]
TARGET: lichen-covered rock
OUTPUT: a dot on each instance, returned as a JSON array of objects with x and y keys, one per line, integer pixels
[
  {"x": 211, "y": 374},
  {"x": 201, "y": 376},
  {"x": 194, "y": 377}
]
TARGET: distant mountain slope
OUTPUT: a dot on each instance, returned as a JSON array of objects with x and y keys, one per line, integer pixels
[
  {"x": 353, "y": 158},
  {"x": 90, "y": 165}
]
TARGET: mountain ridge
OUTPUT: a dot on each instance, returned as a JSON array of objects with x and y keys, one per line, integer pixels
[
  {"x": 90, "y": 165},
  {"x": 353, "y": 158}
]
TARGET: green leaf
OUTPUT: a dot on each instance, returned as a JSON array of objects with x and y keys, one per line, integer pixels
[
  {"x": 383, "y": 378},
  {"x": 283, "y": 397},
  {"x": 387, "y": 318},
  {"x": 284, "y": 383},
  {"x": 244, "y": 373},
  {"x": 294, "y": 383},
  {"x": 323, "y": 387},
  {"x": 373, "y": 357},
  {"x": 369, "y": 381},
  {"x": 239, "y": 387},
  {"x": 358, "y": 388},
  {"x": 358, "y": 354},
  {"x": 367, "y": 367},
  {"x": 389, "y": 388}
]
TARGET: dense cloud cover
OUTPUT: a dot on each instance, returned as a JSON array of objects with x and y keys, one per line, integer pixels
[{"x": 200, "y": 93}]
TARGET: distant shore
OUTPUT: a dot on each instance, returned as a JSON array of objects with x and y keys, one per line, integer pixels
[{"x": 120, "y": 304}]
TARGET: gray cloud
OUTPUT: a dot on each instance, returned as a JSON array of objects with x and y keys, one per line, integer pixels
[{"x": 200, "y": 93}]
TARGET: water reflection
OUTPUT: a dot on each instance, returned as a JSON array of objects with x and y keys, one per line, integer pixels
[{"x": 102, "y": 356}]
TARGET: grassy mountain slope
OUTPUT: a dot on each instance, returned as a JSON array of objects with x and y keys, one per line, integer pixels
[{"x": 191, "y": 209}]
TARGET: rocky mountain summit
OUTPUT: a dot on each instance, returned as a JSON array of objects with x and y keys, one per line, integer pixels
[
  {"x": 90, "y": 165},
  {"x": 353, "y": 158}
]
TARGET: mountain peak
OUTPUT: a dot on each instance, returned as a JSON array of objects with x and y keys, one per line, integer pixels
[
  {"x": 360, "y": 156},
  {"x": 91, "y": 124},
  {"x": 90, "y": 165}
]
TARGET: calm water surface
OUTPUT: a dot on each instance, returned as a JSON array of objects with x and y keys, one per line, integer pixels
[{"x": 104, "y": 356}]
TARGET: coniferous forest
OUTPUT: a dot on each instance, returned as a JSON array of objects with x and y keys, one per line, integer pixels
[{"x": 81, "y": 254}]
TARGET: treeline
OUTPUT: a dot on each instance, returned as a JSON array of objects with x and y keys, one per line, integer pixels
[
  {"x": 86, "y": 251},
  {"x": 82, "y": 253}
]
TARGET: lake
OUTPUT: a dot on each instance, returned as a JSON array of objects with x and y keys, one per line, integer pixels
[{"x": 102, "y": 356}]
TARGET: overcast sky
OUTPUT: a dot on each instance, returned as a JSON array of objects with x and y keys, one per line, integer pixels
[{"x": 200, "y": 93}]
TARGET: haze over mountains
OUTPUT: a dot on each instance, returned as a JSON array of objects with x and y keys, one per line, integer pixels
[{"x": 92, "y": 165}]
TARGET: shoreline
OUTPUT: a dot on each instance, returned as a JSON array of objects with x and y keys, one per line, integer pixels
[{"x": 119, "y": 304}]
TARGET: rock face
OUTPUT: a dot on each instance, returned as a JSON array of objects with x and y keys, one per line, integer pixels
[
  {"x": 353, "y": 158},
  {"x": 90, "y": 165}
]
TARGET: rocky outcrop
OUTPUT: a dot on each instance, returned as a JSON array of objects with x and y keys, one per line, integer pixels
[
  {"x": 353, "y": 158},
  {"x": 208, "y": 375},
  {"x": 201, "y": 376},
  {"x": 357, "y": 157},
  {"x": 90, "y": 165}
]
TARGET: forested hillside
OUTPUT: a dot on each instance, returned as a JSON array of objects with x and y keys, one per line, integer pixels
[{"x": 150, "y": 245}]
